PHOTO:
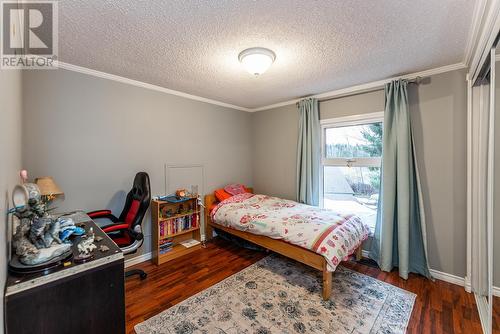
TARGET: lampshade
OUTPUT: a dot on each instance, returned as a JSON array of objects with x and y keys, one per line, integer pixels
[{"x": 47, "y": 186}]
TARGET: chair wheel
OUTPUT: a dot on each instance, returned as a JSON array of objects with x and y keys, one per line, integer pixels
[{"x": 143, "y": 276}]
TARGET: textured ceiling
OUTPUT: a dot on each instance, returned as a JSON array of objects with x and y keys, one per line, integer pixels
[{"x": 193, "y": 46}]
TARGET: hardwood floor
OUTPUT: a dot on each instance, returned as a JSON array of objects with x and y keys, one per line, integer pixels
[{"x": 440, "y": 307}]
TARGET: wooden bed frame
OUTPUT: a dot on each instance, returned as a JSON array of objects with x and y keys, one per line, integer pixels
[{"x": 297, "y": 253}]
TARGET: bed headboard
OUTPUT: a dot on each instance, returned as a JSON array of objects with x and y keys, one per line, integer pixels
[{"x": 210, "y": 200}]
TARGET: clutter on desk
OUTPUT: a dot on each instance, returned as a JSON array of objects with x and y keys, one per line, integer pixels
[
  {"x": 103, "y": 248},
  {"x": 41, "y": 239},
  {"x": 85, "y": 247}
]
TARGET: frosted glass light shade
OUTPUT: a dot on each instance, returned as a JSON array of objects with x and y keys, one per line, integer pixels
[{"x": 256, "y": 60}]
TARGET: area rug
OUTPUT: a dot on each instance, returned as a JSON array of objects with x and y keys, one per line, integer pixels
[{"x": 278, "y": 295}]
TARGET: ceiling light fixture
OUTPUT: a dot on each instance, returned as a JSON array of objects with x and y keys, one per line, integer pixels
[{"x": 256, "y": 60}]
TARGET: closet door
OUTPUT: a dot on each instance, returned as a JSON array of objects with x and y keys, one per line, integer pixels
[
  {"x": 482, "y": 186},
  {"x": 490, "y": 188},
  {"x": 496, "y": 205},
  {"x": 483, "y": 183}
]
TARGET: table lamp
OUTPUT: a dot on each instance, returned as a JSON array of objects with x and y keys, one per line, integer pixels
[{"x": 48, "y": 188}]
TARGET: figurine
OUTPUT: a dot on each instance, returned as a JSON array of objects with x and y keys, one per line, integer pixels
[
  {"x": 52, "y": 233},
  {"x": 86, "y": 246},
  {"x": 180, "y": 193},
  {"x": 68, "y": 228},
  {"x": 37, "y": 236},
  {"x": 23, "y": 247},
  {"x": 37, "y": 231},
  {"x": 103, "y": 248}
]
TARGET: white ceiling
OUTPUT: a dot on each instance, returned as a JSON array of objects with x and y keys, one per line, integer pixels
[{"x": 193, "y": 46}]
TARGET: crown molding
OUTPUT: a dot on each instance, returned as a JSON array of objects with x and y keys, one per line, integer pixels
[
  {"x": 104, "y": 75},
  {"x": 477, "y": 18},
  {"x": 367, "y": 87}
]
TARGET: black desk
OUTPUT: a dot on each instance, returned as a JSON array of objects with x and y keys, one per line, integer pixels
[{"x": 77, "y": 298}]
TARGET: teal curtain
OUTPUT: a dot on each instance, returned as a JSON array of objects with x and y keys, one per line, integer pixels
[
  {"x": 400, "y": 235},
  {"x": 308, "y": 152}
]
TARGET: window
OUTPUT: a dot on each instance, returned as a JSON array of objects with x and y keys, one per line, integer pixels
[{"x": 351, "y": 160}]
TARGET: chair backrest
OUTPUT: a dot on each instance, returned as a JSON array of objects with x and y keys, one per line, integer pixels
[{"x": 137, "y": 202}]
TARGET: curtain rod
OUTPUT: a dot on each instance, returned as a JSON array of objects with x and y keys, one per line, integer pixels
[{"x": 416, "y": 80}]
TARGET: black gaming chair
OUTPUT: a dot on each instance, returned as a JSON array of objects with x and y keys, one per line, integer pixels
[{"x": 126, "y": 230}]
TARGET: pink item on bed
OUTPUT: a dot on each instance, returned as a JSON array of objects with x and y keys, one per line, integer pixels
[{"x": 235, "y": 189}]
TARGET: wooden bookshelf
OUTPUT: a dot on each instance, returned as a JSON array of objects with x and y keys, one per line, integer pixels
[{"x": 178, "y": 222}]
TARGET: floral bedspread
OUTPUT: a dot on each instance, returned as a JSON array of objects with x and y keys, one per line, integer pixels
[{"x": 325, "y": 232}]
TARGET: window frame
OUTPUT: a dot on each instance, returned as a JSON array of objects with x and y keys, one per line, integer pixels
[{"x": 362, "y": 119}]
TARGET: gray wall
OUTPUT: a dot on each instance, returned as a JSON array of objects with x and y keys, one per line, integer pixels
[
  {"x": 352, "y": 105},
  {"x": 10, "y": 155},
  {"x": 275, "y": 151},
  {"x": 92, "y": 135},
  {"x": 439, "y": 115},
  {"x": 438, "y": 109}
]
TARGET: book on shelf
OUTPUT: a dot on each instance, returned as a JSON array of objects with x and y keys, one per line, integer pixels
[
  {"x": 176, "y": 225},
  {"x": 164, "y": 250},
  {"x": 165, "y": 245},
  {"x": 189, "y": 243}
]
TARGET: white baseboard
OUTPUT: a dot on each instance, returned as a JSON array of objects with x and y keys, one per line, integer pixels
[
  {"x": 467, "y": 284},
  {"x": 447, "y": 277},
  {"x": 496, "y": 291},
  {"x": 137, "y": 259},
  {"x": 457, "y": 280},
  {"x": 436, "y": 274}
]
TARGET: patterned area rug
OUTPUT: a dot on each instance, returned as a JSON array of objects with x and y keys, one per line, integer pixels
[{"x": 277, "y": 295}]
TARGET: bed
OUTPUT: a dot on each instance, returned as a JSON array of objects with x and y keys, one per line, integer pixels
[{"x": 278, "y": 225}]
